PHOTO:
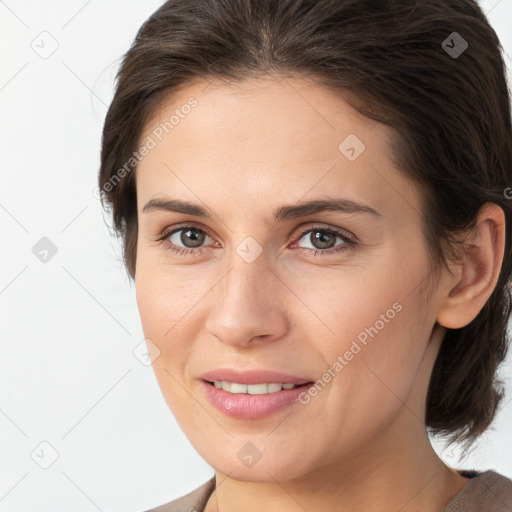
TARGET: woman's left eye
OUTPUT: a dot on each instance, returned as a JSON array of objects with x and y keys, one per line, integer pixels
[{"x": 322, "y": 240}]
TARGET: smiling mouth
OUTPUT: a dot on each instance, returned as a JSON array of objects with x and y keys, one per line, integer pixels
[{"x": 255, "y": 400}]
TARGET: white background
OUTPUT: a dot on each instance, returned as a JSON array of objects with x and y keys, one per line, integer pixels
[{"x": 69, "y": 327}]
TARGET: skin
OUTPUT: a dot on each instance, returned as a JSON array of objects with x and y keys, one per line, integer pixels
[{"x": 361, "y": 443}]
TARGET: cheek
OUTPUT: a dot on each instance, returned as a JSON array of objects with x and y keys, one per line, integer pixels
[
  {"x": 165, "y": 297},
  {"x": 380, "y": 364},
  {"x": 379, "y": 332},
  {"x": 170, "y": 312}
]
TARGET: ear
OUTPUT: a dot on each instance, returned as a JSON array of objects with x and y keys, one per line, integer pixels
[{"x": 476, "y": 274}]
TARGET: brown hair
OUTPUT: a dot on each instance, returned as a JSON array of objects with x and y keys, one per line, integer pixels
[{"x": 430, "y": 69}]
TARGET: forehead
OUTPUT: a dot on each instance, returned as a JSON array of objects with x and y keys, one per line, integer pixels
[
  {"x": 295, "y": 109},
  {"x": 264, "y": 137}
]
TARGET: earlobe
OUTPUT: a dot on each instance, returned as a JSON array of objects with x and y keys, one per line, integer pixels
[{"x": 476, "y": 275}]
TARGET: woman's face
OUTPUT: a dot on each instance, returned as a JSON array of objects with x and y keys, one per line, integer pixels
[{"x": 257, "y": 283}]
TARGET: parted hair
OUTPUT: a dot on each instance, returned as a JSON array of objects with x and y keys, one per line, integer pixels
[{"x": 432, "y": 70}]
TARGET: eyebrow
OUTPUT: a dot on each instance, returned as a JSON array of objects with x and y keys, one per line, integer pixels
[{"x": 285, "y": 212}]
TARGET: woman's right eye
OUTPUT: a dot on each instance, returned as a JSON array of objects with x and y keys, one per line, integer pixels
[
  {"x": 192, "y": 236},
  {"x": 184, "y": 240}
]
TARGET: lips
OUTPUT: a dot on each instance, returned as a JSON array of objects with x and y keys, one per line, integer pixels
[{"x": 247, "y": 405}]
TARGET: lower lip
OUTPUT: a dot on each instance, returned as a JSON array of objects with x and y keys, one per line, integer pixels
[{"x": 245, "y": 406}]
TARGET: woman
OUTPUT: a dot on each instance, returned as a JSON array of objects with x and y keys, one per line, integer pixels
[{"x": 314, "y": 200}]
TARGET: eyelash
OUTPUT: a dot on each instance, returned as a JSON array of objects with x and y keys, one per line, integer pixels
[{"x": 349, "y": 244}]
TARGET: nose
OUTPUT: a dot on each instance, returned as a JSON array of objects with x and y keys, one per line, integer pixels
[{"x": 248, "y": 303}]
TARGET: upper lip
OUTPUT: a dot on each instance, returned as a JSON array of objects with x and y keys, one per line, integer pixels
[{"x": 252, "y": 376}]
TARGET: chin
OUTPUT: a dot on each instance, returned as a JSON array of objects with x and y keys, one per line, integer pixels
[{"x": 255, "y": 461}]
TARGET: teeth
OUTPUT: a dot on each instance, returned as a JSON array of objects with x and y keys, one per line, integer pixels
[
  {"x": 235, "y": 388},
  {"x": 273, "y": 388},
  {"x": 252, "y": 389}
]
